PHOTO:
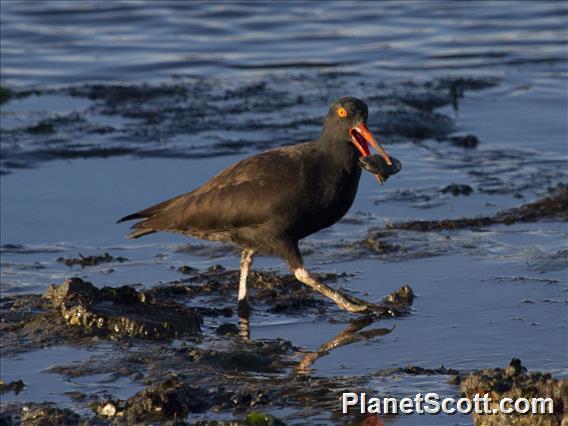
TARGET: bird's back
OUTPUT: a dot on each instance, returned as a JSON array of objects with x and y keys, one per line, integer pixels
[{"x": 294, "y": 191}]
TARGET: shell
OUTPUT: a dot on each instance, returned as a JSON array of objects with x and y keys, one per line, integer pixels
[{"x": 377, "y": 165}]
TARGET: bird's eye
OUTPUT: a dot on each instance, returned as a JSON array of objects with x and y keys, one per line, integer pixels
[{"x": 341, "y": 112}]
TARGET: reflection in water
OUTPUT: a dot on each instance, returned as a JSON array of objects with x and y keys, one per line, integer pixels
[
  {"x": 348, "y": 336},
  {"x": 244, "y": 327},
  {"x": 395, "y": 304},
  {"x": 351, "y": 334}
]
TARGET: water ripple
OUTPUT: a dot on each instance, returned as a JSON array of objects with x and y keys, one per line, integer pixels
[{"x": 99, "y": 41}]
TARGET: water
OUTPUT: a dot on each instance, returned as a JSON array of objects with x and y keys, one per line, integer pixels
[
  {"x": 90, "y": 41},
  {"x": 203, "y": 85}
]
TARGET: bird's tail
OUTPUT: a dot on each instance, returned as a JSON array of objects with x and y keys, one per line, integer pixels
[
  {"x": 139, "y": 229},
  {"x": 138, "y": 215},
  {"x": 148, "y": 223},
  {"x": 137, "y": 233}
]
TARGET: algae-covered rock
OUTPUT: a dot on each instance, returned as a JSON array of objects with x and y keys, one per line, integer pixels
[
  {"x": 171, "y": 399},
  {"x": 47, "y": 415},
  {"x": 77, "y": 312},
  {"x": 515, "y": 382},
  {"x": 71, "y": 289},
  {"x": 256, "y": 418},
  {"x": 122, "y": 311}
]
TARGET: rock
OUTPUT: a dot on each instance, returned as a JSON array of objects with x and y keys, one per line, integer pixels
[
  {"x": 15, "y": 386},
  {"x": 401, "y": 299},
  {"x": 515, "y": 382},
  {"x": 76, "y": 396},
  {"x": 186, "y": 269},
  {"x": 122, "y": 311},
  {"x": 171, "y": 399},
  {"x": 107, "y": 409},
  {"x": 457, "y": 189},
  {"x": 256, "y": 418},
  {"x": 71, "y": 289},
  {"x": 109, "y": 316},
  {"x": 414, "y": 370},
  {"x": 229, "y": 329},
  {"x": 91, "y": 260},
  {"x": 5, "y": 94},
  {"x": 47, "y": 415},
  {"x": 216, "y": 268},
  {"x": 515, "y": 368},
  {"x": 454, "y": 379},
  {"x": 381, "y": 247},
  {"x": 467, "y": 141}
]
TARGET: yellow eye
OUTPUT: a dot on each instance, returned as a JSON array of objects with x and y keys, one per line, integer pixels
[{"x": 342, "y": 112}]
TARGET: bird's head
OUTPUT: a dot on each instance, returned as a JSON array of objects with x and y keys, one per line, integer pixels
[{"x": 347, "y": 120}]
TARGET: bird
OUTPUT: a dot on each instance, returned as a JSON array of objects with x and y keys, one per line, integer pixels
[{"x": 265, "y": 204}]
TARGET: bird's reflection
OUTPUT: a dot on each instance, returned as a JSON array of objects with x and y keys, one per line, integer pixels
[
  {"x": 244, "y": 327},
  {"x": 349, "y": 335}
]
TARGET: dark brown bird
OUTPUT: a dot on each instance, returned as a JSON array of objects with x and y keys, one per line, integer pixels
[{"x": 268, "y": 202}]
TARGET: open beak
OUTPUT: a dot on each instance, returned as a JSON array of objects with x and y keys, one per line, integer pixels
[{"x": 361, "y": 137}]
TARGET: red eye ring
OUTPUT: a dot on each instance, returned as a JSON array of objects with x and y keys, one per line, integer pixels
[{"x": 341, "y": 112}]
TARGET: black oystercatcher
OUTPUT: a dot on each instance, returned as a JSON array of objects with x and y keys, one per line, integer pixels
[{"x": 269, "y": 202}]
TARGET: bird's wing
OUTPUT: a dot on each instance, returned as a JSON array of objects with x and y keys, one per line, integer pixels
[{"x": 248, "y": 193}]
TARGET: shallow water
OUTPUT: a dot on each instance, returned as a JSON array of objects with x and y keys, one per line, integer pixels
[
  {"x": 216, "y": 82},
  {"x": 78, "y": 42}
]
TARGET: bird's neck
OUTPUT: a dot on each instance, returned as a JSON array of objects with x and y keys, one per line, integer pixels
[{"x": 342, "y": 151}]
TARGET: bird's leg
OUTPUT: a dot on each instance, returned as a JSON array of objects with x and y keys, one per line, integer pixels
[
  {"x": 344, "y": 301},
  {"x": 246, "y": 262}
]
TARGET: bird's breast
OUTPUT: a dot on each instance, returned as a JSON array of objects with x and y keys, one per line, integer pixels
[{"x": 330, "y": 192}]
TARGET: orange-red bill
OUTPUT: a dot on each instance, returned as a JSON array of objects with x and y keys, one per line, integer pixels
[{"x": 361, "y": 137}]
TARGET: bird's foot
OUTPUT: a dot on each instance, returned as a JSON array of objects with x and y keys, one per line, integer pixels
[{"x": 356, "y": 305}]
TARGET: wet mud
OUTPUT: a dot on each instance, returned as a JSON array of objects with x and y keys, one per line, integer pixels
[
  {"x": 267, "y": 291},
  {"x": 147, "y": 120},
  {"x": 76, "y": 312},
  {"x": 426, "y": 238},
  {"x": 551, "y": 207},
  {"x": 466, "y": 141},
  {"x": 173, "y": 394},
  {"x": 457, "y": 189},
  {"x": 231, "y": 374},
  {"x": 92, "y": 260}
]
